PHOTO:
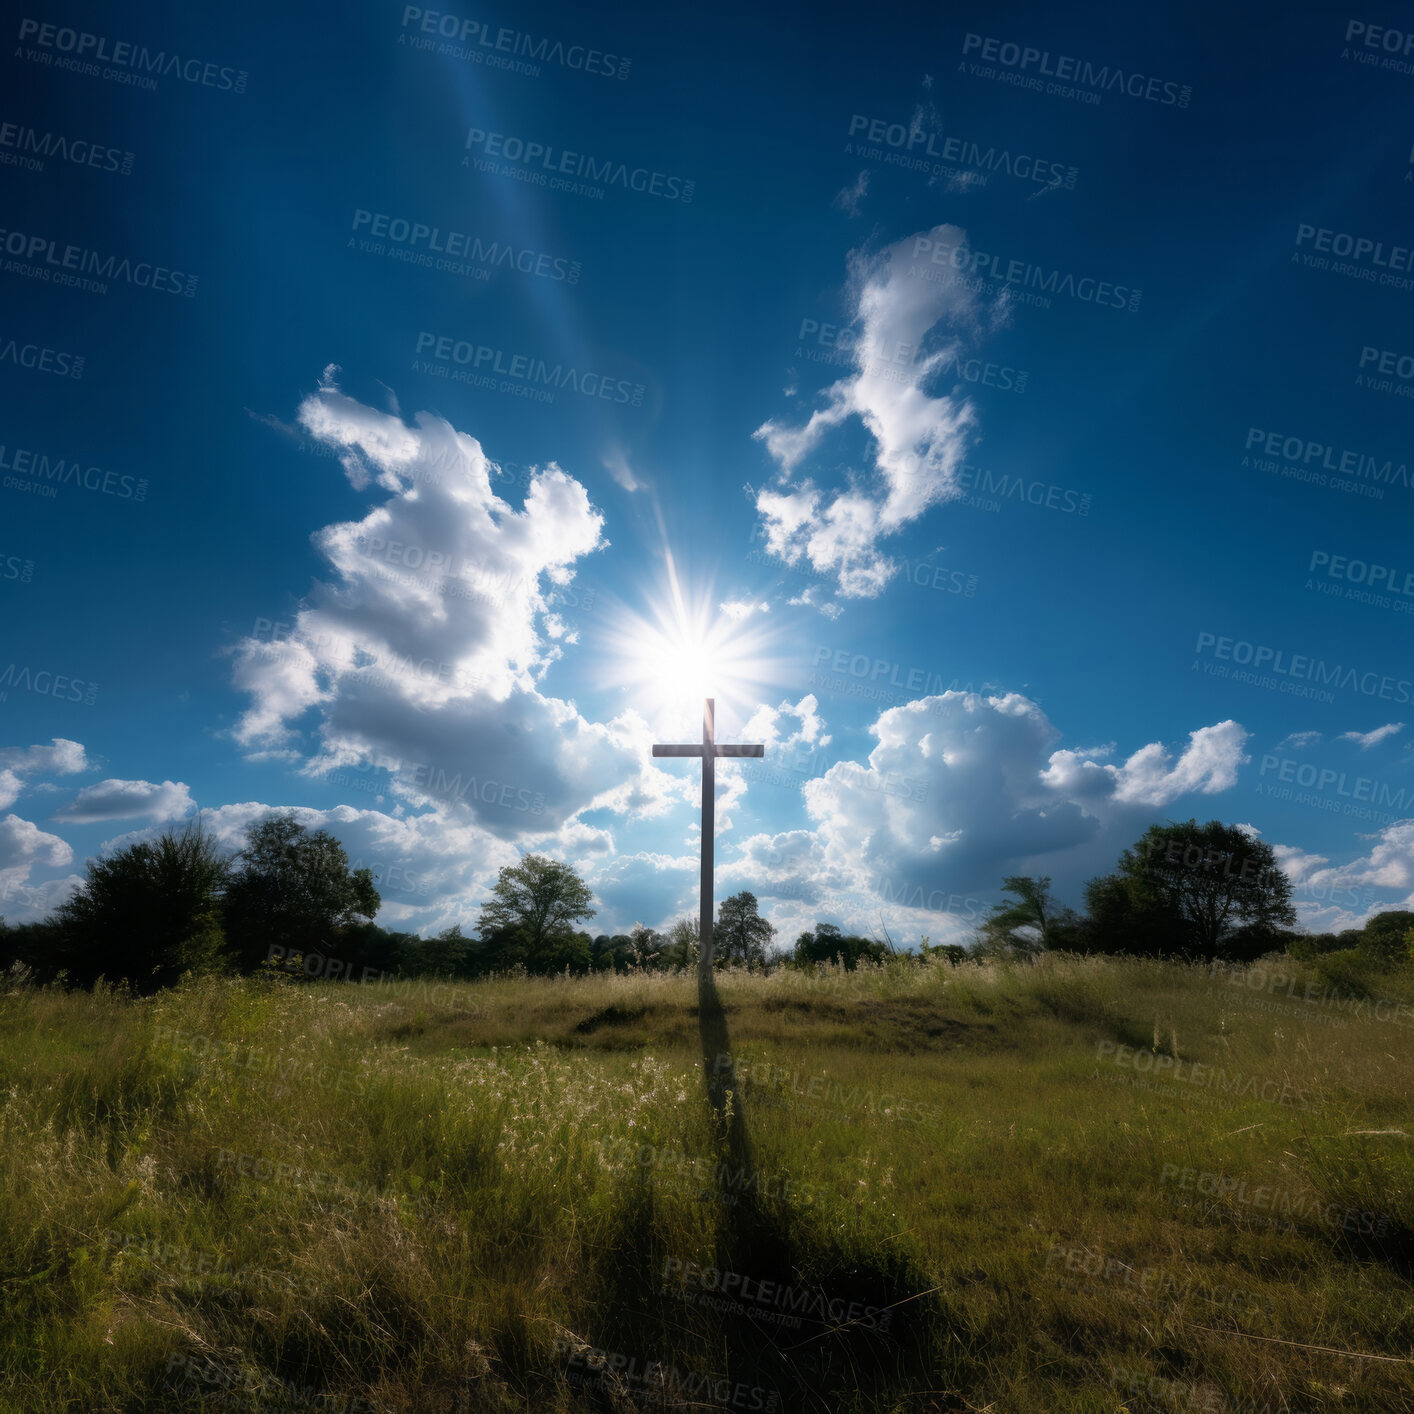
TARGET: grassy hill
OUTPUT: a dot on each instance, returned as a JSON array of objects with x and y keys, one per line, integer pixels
[{"x": 1073, "y": 1185}]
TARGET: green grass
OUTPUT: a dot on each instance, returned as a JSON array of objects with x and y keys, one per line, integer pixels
[{"x": 487, "y": 1182}]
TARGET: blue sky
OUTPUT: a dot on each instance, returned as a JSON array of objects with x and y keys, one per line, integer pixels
[{"x": 469, "y": 389}]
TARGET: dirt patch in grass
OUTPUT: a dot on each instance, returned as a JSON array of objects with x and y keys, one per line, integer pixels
[{"x": 610, "y": 1016}]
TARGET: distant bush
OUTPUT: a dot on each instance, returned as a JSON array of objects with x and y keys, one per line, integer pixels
[
  {"x": 1350, "y": 973},
  {"x": 828, "y": 944},
  {"x": 147, "y": 913}
]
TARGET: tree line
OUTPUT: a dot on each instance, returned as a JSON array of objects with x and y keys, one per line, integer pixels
[
  {"x": 288, "y": 901},
  {"x": 1211, "y": 892}
]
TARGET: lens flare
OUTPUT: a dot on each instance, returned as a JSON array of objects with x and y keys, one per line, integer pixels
[{"x": 685, "y": 648}]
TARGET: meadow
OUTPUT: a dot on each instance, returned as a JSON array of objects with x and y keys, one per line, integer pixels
[{"x": 1049, "y": 1187}]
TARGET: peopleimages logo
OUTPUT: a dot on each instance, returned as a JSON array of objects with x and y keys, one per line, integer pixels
[
  {"x": 55, "y": 265},
  {"x": 912, "y": 144},
  {"x": 1326, "y": 778},
  {"x": 501, "y": 40},
  {"x": 46, "y": 683},
  {"x": 41, "y": 358},
  {"x": 69, "y": 471},
  {"x": 1320, "y": 456},
  {"x": 1371, "y": 255},
  {"x": 1396, "y": 44},
  {"x": 1036, "y": 493},
  {"x": 26, "y": 147},
  {"x": 423, "y": 242},
  {"x": 1396, "y": 581},
  {"x": 1395, "y": 370},
  {"x": 1077, "y": 71},
  {"x": 898, "y": 359},
  {"x": 529, "y": 371},
  {"x": 977, "y": 264},
  {"x": 1299, "y": 667},
  {"x": 561, "y": 163},
  {"x": 95, "y": 49}
]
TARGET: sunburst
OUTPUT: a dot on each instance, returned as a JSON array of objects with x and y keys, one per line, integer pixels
[{"x": 682, "y": 648}]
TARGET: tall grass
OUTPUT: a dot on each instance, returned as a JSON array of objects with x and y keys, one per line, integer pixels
[{"x": 513, "y": 1195}]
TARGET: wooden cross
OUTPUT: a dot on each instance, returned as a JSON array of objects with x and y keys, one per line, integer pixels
[{"x": 708, "y": 751}]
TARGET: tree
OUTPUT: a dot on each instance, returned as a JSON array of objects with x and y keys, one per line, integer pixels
[
  {"x": 828, "y": 944},
  {"x": 740, "y": 934},
  {"x": 1122, "y": 917},
  {"x": 442, "y": 956},
  {"x": 530, "y": 916},
  {"x": 149, "y": 912},
  {"x": 1029, "y": 922},
  {"x": 683, "y": 945},
  {"x": 601, "y": 953},
  {"x": 1385, "y": 936},
  {"x": 645, "y": 948},
  {"x": 1209, "y": 890},
  {"x": 293, "y": 889}
]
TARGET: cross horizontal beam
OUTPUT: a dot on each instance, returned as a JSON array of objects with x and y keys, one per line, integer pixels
[{"x": 691, "y": 750}]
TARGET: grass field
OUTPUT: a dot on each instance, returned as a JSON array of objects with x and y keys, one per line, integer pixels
[{"x": 1073, "y": 1185}]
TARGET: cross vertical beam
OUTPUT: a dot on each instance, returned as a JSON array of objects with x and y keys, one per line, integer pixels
[
  {"x": 709, "y": 827},
  {"x": 708, "y": 751}
]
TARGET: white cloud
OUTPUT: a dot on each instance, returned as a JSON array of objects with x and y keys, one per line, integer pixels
[
  {"x": 127, "y": 800},
  {"x": 1208, "y": 764},
  {"x": 962, "y": 790},
  {"x": 773, "y": 728},
  {"x": 1332, "y": 897},
  {"x": 1299, "y": 741},
  {"x": 814, "y": 597},
  {"x": 1150, "y": 776},
  {"x": 739, "y": 609},
  {"x": 61, "y": 758},
  {"x": 1365, "y": 740},
  {"x": 919, "y": 441},
  {"x": 425, "y": 651},
  {"x": 22, "y": 846}
]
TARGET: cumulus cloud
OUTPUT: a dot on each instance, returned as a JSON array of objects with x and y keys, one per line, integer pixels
[
  {"x": 962, "y": 790},
  {"x": 1151, "y": 776},
  {"x": 23, "y": 845},
  {"x": 1208, "y": 764},
  {"x": 787, "y": 727},
  {"x": 652, "y": 887},
  {"x": 910, "y": 326},
  {"x": 60, "y": 758},
  {"x": 127, "y": 800},
  {"x": 1365, "y": 740},
  {"x": 1299, "y": 741},
  {"x": 1331, "y": 897},
  {"x": 424, "y": 650}
]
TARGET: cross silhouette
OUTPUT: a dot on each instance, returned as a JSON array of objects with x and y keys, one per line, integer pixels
[{"x": 708, "y": 751}]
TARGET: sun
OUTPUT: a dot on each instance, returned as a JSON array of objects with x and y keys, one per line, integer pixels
[
  {"x": 691, "y": 667},
  {"x": 683, "y": 648}
]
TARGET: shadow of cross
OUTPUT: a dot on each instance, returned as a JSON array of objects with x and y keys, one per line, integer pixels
[{"x": 712, "y": 1021}]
